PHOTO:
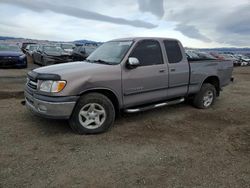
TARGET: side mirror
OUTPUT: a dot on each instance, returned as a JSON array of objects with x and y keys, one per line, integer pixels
[{"x": 133, "y": 62}]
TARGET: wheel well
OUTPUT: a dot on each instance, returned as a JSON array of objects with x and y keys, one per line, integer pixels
[
  {"x": 112, "y": 97},
  {"x": 214, "y": 80}
]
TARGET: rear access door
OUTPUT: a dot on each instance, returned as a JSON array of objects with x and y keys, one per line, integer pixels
[{"x": 178, "y": 69}]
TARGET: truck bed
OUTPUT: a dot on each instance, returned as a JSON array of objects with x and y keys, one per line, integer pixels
[{"x": 200, "y": 69}]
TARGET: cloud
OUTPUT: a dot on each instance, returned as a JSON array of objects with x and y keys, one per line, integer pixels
[
  {"x": 211, "y": 23},
  {"x": 223, "y": 22},
  {"x": 234, "y": 28},
  {"x": 77, "y": 12},
  {"x": 153, "y": 6},
  {"x": 237, "y": 22},
  {"x": 191, "y": 32}
]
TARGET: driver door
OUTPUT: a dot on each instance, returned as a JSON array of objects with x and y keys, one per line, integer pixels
[{"x": 148, "y": 82}]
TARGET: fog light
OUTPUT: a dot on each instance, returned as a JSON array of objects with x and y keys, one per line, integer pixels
[{"x": 42, "y": 108}]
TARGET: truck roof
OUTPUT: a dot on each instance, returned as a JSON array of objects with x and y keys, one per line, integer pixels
[{"x": 142, "y": 38}]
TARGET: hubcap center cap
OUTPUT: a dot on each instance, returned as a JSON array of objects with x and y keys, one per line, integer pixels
[{"x": 92, "y": 115}]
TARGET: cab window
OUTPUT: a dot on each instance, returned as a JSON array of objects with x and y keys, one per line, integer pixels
[
  {"x": 173, "y": 51},
  {"x": 148, "y": 52}
]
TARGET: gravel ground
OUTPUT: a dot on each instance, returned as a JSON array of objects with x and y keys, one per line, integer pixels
[{"x": 177, "y": 146}]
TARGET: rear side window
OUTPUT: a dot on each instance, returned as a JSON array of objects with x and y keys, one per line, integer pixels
[
  {"x": 173, "y": 51},
  {"x": 148, "y": 52}
]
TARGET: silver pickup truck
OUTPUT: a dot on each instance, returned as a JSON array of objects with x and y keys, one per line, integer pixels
[{"x": 124, "y": 75}]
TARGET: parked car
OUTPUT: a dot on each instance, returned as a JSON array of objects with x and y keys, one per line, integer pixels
[
  {"x": 217, "y": 55},
  {"x": 80, "y": 53},
  {"x": 50, "y": 54},
  {"x": 236, "y": 61},
  {"x": 124, "y": 75},
  {"x": 244, "y": 59},
  {"x": 30, "y": 49},
  {"x": 205, "y": 56},
  {"x": 67, "y": 47},
  {"x": 12, "y": 56},
  {"x": 25, "y": 44},
  {"x": 197, "y": 56},
  {"x": 248, "y": 55}
]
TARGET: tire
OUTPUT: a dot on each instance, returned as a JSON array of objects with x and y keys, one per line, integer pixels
[
  {"x": 95, "y": 108},
  {"x": 34, "y": 61},
  {"x": 207, "y": 90},
  {"x": 43, "y": 62},
  {"x": 26, "y": 64}
]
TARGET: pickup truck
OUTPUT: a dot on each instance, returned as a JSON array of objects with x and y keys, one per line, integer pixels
[{"x": 124, "y": 75}]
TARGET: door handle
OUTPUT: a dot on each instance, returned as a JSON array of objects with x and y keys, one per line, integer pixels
[
  {"x": 172, "y": 70},
  {"x": 162, "y": 70}
]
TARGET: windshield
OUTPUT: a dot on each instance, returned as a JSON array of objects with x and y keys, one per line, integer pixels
[
  {"x": 110, "y": 52},
  {"x": 67, "y": 46},
  {"x": 192, "y": 55},
  {"x": 33, "y": 47},
  {"x": 54, "y": 49},
  {"x": 9, "y": 48}
]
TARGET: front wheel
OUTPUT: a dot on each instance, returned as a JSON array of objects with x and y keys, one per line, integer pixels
[
  {"x": 94, "y": 113},
  {"x": 206, "y": 96}
]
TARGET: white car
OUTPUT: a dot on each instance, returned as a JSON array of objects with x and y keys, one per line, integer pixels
[
  {"x": 245, "y": 60},
  {"x": 31, "y": 48},
  {"x": 67, "y": 47}
]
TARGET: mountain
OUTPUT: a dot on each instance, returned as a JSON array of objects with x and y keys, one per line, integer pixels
[
  {"x": 8, "y": 38},
  {"x": 83, "y": 41},
  {"x": 232, "y": 50}
]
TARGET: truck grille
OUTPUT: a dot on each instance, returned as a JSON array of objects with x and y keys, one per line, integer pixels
[{"x": 32, "y": 84}]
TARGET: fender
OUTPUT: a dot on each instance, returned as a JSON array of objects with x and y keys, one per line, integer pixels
[{"x": 104, "y": 91}]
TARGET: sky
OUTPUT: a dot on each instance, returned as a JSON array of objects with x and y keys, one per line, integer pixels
[{"x": 196, "y": 23}]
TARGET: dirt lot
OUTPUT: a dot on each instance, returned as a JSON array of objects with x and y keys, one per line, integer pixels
[
  {"x": 177, "y": 146},
  {"x": 13, "y": 80}
]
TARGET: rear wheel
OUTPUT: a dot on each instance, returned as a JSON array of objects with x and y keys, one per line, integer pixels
[
  {"x": 94, "y": 113},
  {"x": 206, "y": 96}
]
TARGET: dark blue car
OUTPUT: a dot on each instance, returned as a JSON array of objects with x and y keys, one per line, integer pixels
[{"x": 12, "y": 56}]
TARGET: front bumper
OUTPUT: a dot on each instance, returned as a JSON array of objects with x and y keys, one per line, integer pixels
[{"x": 49, "y": 108}]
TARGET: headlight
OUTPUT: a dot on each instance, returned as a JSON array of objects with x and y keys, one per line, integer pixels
[{"x": 51, "y": 86}]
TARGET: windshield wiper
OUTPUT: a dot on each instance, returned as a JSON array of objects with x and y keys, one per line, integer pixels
[{"x": 103, "y": 62}]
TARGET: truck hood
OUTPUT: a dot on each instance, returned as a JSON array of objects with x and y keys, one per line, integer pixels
[{"x": 74, "y": 68}]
